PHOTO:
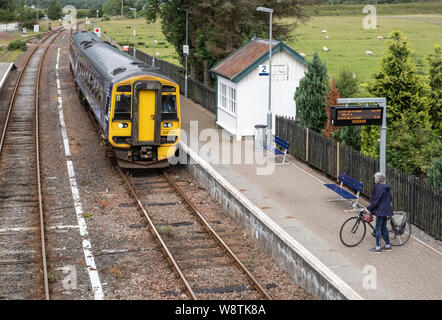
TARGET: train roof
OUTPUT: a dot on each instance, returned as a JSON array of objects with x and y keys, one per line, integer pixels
[{"x": 113, "y": 64}]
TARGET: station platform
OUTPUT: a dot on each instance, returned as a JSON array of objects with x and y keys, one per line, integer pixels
[
  {"x": 295, "y": 198},
  {"x": 5, "y": 69}
]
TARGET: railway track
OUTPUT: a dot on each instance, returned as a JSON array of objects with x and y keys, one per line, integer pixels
[
  {"x": 205, "y": 265},
  {"x": 23, "y": 270}
]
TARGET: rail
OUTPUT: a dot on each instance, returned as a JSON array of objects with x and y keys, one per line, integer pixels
[{"x": 37, "y": 155}]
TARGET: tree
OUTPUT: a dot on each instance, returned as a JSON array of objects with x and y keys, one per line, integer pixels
[
  {"x": 434, "y": 175},
  {"x": 310, "y": 96},
  {"x": 7, "y": 8},
  {"x": 435, "y": 62},
  {"x": 113, "y": 7},
  {"x": 218, "y": 27},
  {"x": 411, "y": 143},
  {"x": 332, "y": 100},
  {"x": 348, "y": 84},
  {"x": 54, "y": 10}
]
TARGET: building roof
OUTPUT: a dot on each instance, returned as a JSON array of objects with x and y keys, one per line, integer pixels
[{"x": 242, "y": 61}]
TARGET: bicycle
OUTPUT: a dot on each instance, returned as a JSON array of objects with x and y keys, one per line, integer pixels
[{"x": 353, "y": 230}]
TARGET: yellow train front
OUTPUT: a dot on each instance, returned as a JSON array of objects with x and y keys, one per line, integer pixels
[{"x": 136, "y": 106}]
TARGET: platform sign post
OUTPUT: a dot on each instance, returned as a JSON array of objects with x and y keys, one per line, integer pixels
[
  {"x": 97, "y": 31},
  {"x": 373, "y": 113}
]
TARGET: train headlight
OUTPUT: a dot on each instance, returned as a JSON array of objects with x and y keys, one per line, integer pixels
[
  {"x": 122, "y": 125},
  {"x": 167, "y": 125}
]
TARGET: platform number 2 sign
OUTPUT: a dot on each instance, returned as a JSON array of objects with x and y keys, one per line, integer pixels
[{"x": 263, "y": 70}]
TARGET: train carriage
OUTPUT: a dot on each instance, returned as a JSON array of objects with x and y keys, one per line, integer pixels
[{"x": 136, "y": 106}]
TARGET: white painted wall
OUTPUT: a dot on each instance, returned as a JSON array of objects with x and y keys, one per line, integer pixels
[
  {"x": 226, "y": 119},
  {"x": 253, "y": 93}
]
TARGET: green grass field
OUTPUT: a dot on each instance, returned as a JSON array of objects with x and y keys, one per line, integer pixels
[
  {"x": 122, "y": 32},
  {"x": 348, "y": 40},
  {"x": 12, "y": 55}
]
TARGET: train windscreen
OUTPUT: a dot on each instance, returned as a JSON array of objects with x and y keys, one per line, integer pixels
[
  {"x": 169, "y": 110},
  {"x": 122, "y": 107}
]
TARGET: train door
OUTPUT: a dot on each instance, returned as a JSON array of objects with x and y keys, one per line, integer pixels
[{"x": 147, "y": 113}]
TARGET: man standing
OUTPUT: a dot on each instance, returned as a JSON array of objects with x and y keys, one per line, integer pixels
[{"x": 380, "y": 206}]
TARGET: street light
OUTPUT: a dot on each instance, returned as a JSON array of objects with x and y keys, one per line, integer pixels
[
  {"x": 153, "y": 54},
  {"x": 269, "y": 113},
  {"x": 97, "y": 14},
  {"x": 135, "y": 29},
  {"x": 186, "y": 52}
]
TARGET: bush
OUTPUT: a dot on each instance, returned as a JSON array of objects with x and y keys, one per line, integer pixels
[
  {"x": 105, "y": 17},
  {"x": 17, "y": 45},
  {"x": 434, "y": 174}
]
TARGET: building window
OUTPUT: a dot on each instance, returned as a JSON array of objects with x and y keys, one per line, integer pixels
[
  {"x": 227, "y": 98},
  {"x": 223, "y": 96},
  {"x": 232, "y": 100}
]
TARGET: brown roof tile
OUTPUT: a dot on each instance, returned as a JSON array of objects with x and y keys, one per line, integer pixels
[{"x": 243, "y": 57}]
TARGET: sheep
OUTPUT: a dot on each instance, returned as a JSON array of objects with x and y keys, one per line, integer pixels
[
  {"x": 380, "y": 37},
  {"x": 368, "y": 53},
  {"x": 325, "y": 49},
  {"x": 326, "y": 37},
  {"x": 302, "y": 54},
  {"x": 324, "y": 31}
]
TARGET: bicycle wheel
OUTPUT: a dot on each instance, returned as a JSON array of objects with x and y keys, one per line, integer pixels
[
  {"x": 352, "y": 231},
  {"x": 399, "y": 239}
]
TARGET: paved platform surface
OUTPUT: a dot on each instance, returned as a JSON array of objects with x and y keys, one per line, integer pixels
[
  {"x": 294, "y": 197},
  {"x": 5, "y": 68}
]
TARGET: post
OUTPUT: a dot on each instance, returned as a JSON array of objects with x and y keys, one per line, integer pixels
[
  {"x": 383, "y": 142},
  {"x": 382, "y": 102},
  {"x": 153, "y": 54},
  {"x": 269, "y": 113},
  {"x": 135, "y": 30},
  {"x": 187, "y": 44},
  {"x": 121, "y": 7}
]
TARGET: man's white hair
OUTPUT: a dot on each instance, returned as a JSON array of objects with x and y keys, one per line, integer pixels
[{"x": 379, "y": 178}]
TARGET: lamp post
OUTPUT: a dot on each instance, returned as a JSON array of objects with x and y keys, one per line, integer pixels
[
  {"x": 135, "y": 29},
  {"x": 269, "y": 113},
  {"x": 186, "y": 52},
  {"x": 153, "y": 53},
  {"x": 97, "y": 14}
]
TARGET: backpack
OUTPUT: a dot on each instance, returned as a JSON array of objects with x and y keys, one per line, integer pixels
[{"x": 398, "y": 223}]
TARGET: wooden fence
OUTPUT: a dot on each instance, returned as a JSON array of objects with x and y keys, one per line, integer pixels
[{"x": 415, "y": 196}]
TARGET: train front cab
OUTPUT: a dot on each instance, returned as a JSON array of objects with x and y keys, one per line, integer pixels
[{"x": 144, "y": 119}]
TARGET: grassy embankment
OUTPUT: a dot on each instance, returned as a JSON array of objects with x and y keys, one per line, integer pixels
[
  {"x": 122, "y": 32},
  {"x": 12, "y": 55},
  {"x": 347, "y": 42}
]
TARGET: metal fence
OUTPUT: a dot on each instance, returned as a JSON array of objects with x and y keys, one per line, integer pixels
[
  {"x": 196, "y": 91},
  {"x": 418, "y": 198}
]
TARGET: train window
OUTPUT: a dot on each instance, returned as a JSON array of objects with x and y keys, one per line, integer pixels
[
  {"x": 122, "y": 107},
  {"x": 125, "y": 88},
  {"x": 169, "y": 107},
  {"x": 169, "y": 89}
]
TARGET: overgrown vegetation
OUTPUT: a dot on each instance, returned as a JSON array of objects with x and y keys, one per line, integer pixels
[{"x": 17, "y": 45}]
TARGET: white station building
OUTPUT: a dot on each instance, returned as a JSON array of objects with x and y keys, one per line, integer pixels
[{"x": 243, "y": 85}]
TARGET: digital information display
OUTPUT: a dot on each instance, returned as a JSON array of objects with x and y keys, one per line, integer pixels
[{"x": 356, "y": 115}]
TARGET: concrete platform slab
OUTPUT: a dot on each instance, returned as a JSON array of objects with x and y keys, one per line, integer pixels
[{"x": 5, "y": 69}]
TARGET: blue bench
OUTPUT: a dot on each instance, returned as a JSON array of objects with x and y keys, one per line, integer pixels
[
  {"x": 280, "y": 143},
  {"x": 345, "y": 195}
]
